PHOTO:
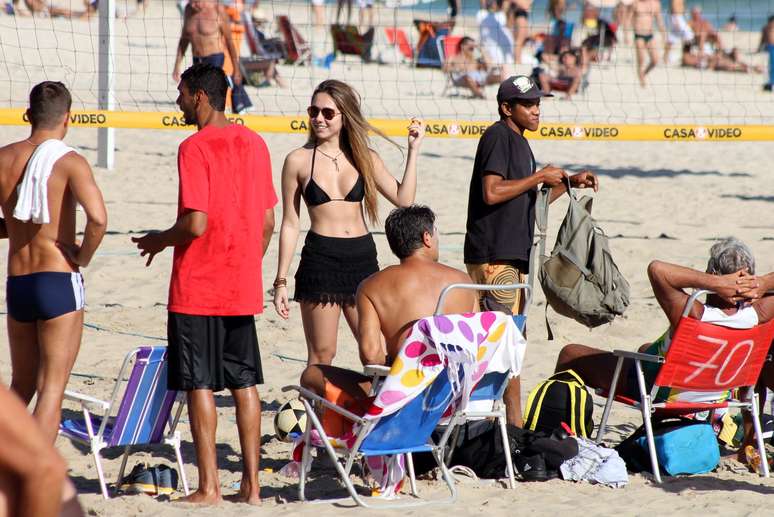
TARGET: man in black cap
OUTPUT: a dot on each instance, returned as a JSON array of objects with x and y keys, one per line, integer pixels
[{"x": 501, "y": 202}]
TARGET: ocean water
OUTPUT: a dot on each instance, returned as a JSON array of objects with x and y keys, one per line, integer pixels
[{"x": 751, "y": 15}]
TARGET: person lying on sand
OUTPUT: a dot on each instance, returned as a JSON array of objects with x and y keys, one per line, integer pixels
[
  {"x": 388, "y": 303},
  {"x": 41, "y": 8},
  {"x": 719, "y": 61}
]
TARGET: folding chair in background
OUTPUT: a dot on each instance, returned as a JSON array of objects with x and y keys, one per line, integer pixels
[
  {"x": 427, "y": 50},
  {"x": 299, "y": 51},
  {"x": 448, "y": 47},
  {"x": 492, "y": 385},
  {"x": 398, "y": 38},
  {"x": 406, "y": 431},
  {"x": 260, "y": 59},
  {"x": 559, "y": 37},
  {"x": 702, "y": 357},
  {"x": 140, "y": 415},
  {"x": 348, "y": 40}
]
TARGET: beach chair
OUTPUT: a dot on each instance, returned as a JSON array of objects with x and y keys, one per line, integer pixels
[
  {"x": 427, "y": 49},
  {"x": 256, "y": 65},
  {"x": 490, "y": 388},
  {"x": 298, "y": 50},
  {"x": 406, "y": 431},
  {"x": 348, "y": 40},
  {"x": 398, "y": 38},
  {"x": 492, "y": 385},
  {"x": 702, "y": 357},
  {"x": 448, "y": 47},
  {"x": 140, "y": 415},
  {"x": 559, "y": 37}
]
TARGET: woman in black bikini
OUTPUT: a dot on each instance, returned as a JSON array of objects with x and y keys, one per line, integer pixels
[{"x": 338, "y": 176}]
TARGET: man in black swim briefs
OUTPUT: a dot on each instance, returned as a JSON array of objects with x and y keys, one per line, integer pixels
[
  {"x": 44, "y": 293},
  {"x": 646, "y": 12},
  {"x": 518, "y": 19}
]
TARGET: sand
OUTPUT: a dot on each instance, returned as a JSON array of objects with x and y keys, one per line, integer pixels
[{"x": 665, "y": 201}]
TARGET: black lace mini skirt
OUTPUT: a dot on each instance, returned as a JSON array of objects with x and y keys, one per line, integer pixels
[{"x": 331, "y": 268}]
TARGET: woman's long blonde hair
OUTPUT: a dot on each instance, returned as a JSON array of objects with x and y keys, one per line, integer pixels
[{"x": 354, "y": 138}]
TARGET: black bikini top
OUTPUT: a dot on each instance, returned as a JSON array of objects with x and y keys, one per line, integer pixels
[{"x": 314, "y": 195}]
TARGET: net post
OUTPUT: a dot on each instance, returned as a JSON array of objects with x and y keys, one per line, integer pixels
[{"x": 106, "y": 136}]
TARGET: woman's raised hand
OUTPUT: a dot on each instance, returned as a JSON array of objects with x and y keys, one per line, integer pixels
[{"x": 416, "y": 133}]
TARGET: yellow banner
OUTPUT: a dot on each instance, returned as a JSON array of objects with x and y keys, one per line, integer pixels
[{"x": 435, "y": 128}]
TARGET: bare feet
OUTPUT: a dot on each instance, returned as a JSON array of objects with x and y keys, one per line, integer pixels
[
  {"x": 249, "y": 495},
  {"x": 201, "y": 498}
]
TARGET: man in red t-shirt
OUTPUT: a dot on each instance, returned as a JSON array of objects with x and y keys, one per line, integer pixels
[{"x": 224, "y": 224}]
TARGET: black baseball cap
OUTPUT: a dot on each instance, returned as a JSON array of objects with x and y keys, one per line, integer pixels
[{"x": 519, "y": 87}]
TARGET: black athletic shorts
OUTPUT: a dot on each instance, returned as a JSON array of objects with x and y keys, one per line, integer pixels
[{"x": 212, "y": 352}]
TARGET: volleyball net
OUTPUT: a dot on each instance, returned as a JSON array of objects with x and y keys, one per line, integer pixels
[{"x": 394, "y": 54}]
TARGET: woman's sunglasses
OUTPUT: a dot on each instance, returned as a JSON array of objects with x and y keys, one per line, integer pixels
[{"x": 327, "y": 113}]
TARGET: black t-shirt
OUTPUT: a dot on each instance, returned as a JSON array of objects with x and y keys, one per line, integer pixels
[{"x": 503, "y": 231}]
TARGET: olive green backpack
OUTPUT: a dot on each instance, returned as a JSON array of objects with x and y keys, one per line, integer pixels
[{"x": 580, "y": 280}]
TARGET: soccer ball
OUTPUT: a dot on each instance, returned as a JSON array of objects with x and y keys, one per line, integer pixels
[{"x": 290, "y": 420}]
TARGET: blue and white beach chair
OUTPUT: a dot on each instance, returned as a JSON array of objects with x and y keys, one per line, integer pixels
[
  {"x": 404, "y": 432},
  {"x": 492, "y": 386},
  {"x": 140, "y": 415}
]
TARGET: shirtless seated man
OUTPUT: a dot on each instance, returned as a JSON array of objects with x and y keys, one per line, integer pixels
[
  {"x": 390, "y": 301},
  {"x": 469, "y": 71},
  {"x": 737, "y": 304},
  {"x": 44, "y": 291}
]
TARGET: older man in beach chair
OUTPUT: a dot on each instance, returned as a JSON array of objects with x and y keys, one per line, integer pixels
[{"x": 735, "y": 303}]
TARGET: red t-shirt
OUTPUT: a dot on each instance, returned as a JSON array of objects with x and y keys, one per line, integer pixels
[{"x": 226, "y": 173}]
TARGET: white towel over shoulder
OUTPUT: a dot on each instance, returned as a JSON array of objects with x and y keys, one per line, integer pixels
[{"x": 32, "y": 202}]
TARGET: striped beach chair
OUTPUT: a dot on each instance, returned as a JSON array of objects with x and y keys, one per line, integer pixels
[{"x": 141, "y": 415}]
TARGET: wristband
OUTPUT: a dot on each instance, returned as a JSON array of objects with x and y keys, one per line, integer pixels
[{"x": 280, "y": 282}]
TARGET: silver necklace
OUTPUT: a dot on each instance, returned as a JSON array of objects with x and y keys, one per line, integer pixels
[
  {"x": 334, "y": 159},
  {"x": 31, "y": 142}
]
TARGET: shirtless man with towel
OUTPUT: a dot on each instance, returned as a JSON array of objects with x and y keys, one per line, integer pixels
[{"x": 41, "y": 181}]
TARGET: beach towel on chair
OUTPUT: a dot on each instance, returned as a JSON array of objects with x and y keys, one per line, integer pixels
[
  {"x": 466, "y": 346},
  {"x": 32, "y": 193},
  {"x": 469, "y": 344}
]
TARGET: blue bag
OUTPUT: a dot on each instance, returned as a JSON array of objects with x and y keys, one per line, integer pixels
[{"x": 682, "y": 447}]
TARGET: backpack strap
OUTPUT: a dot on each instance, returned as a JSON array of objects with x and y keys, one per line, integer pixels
[
  {"x": 538, "y": 251},
  {"x": 541, "y": 218},
  {"x": 571, "y": 373},
  {"x": 541, "y": 221}
]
